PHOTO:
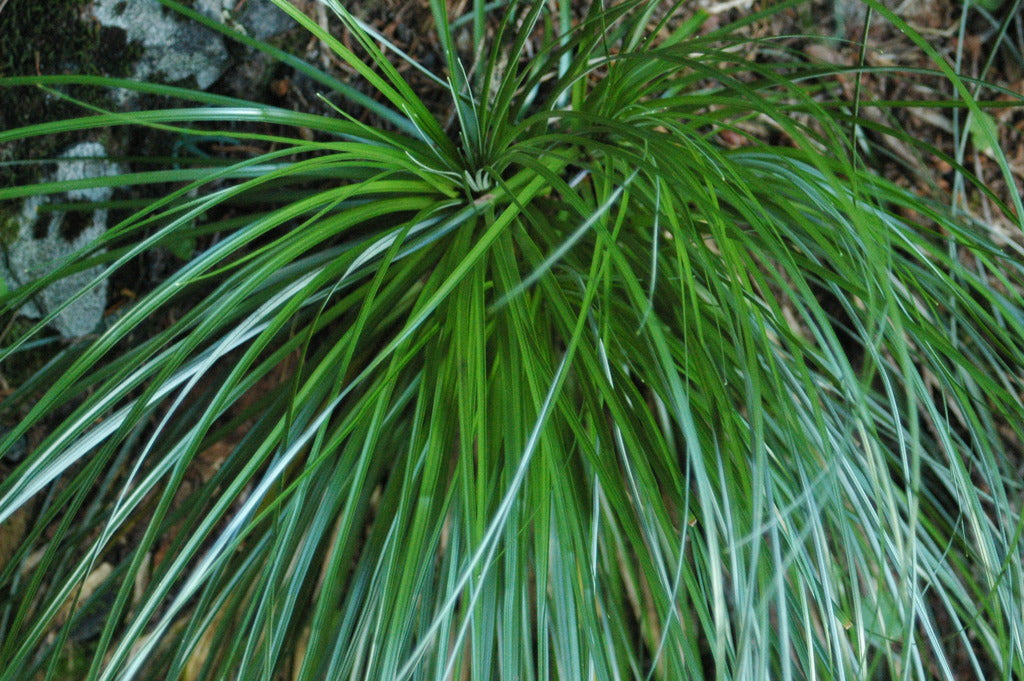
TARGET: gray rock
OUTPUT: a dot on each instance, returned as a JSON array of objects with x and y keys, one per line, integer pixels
[
  {"x": 174, "y": 49},
  {"x": 262, "y": 19},
  {"x": 214, "y": 9},
  {"x": 30, "y": 257}
]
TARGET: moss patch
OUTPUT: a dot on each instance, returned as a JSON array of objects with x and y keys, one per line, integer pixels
[
  {"x": 9, "y": 227},
  {"x": 53, "y": 38}
]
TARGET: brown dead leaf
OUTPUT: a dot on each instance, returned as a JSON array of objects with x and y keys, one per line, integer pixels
[
  {"x": 93, "y": 581},
  {"x": 12, "y": 531}
]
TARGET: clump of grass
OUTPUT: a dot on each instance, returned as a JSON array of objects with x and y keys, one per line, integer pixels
[{"x": 563, "y": 390}]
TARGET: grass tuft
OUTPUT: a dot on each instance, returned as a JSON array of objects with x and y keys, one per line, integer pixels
[{"x": 622, "y": 363}]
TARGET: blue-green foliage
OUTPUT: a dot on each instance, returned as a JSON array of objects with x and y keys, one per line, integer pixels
[{"x": 543, "y": 383}]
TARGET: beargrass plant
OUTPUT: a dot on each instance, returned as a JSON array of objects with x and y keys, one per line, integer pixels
[{"x": 545, "y": 382}]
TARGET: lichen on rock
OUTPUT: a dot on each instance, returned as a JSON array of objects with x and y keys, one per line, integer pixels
[
  {"x": 175, "y": 50},
  {"x": 42, "y": 244}
]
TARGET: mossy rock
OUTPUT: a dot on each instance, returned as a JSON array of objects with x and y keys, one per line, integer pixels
[{"x": 28, "y": 47}]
